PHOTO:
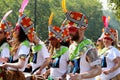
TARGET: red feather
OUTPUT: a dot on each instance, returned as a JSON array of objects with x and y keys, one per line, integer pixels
[{"x": 105, "y": 21}]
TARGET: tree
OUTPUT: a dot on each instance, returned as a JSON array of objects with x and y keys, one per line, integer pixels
[{"x": 115, "y": 6}]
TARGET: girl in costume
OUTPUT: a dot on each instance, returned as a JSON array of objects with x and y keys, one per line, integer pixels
[
  {"x": 22, "y": 35},
  {"x": 110, "y": 57}
]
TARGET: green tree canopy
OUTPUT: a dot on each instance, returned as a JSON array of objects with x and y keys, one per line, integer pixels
[{"x": 115, "y": 6}]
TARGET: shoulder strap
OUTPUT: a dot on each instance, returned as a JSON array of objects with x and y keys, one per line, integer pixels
[
  {"x": 36, "y": 48},
  {"x": 62, "y": 50},
  {"x": 26, "y": 43}
]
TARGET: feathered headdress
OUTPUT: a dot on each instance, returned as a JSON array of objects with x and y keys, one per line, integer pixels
[
  {"x": 54, "y": 31},
  {"x": 23, "y": 5},
  {"x": 25, "y": 22},
  {"x": 75, "y": 17},
  {"x": 108, "y": 32},
  {"x": 61, "y": 34},
  {"x": 6, "y": 26}
]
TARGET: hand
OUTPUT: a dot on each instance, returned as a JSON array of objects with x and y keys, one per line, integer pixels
[
  {"x": 75, "y": 77},
  {"x": 45, "y": 75},
  {"x": 1, "y": 59},
  {"x": 38, "y": 72},
  {"x": 28, "y": 66},
  {"x": 4, "y": 60},
  {"x": 5, "y": 65},
  {"x": 106, "y": 72}
]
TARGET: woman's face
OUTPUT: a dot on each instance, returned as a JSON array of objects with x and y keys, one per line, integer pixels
[
  {"x": 2, "y": 35},
  {"x": 107, "y": 41},
  {"x": 99, "y": 43},
  {"x": 16, "y": 31}
]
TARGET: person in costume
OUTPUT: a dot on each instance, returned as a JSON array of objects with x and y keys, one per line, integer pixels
[
  {"x": 59, "y": 54},
  {"x": 110, "y": 57},
  {"x": 83, "y": 48},
  {"x": 5, "y": 33},
  {"x": 41, "y": 57},
  {"x": 99, "y": 44},
  {"x": 117, "y": 44},
  {"x": 22, "y": 35}
]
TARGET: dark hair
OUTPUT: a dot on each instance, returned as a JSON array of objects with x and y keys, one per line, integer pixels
[
  {"x": 22, "y": 36},
  {"x": 67, "y": 43},
  {"x": 3, "y": 41},
  {"x": 113, "y": 43},
  {"x": 47, "y": 42}
]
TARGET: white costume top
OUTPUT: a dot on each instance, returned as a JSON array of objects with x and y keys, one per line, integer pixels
[
  {"x": 112, "y": 53},
  {"x": 84, "y": 48},
  {"x": 84, "y": 65},
  {"x": 5, "y": 52},
  {"x": 59, "y": 72},
  {"x": 23, "y": 50},
  {"x": 42, "y": 54}
]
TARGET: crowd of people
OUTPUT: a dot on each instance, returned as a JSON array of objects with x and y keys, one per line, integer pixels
[{"x": 66, "y": 55}]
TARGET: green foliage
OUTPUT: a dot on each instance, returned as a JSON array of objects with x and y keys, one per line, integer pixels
[
  {"x": 116, "y": 7},
  {"x": 91, "y": 8}
]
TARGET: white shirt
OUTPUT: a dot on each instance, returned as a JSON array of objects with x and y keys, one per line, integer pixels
[
  {"x": 112, "y": 54},
  {"x": 5, "y": 53},
  {"x": 72, "y": 47},
  {"x": 84, "y": 65},
  {"x": 23, "y": 49},
  {"x": 58, "y": 72},
  {"x": 41, "y": 57}
]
